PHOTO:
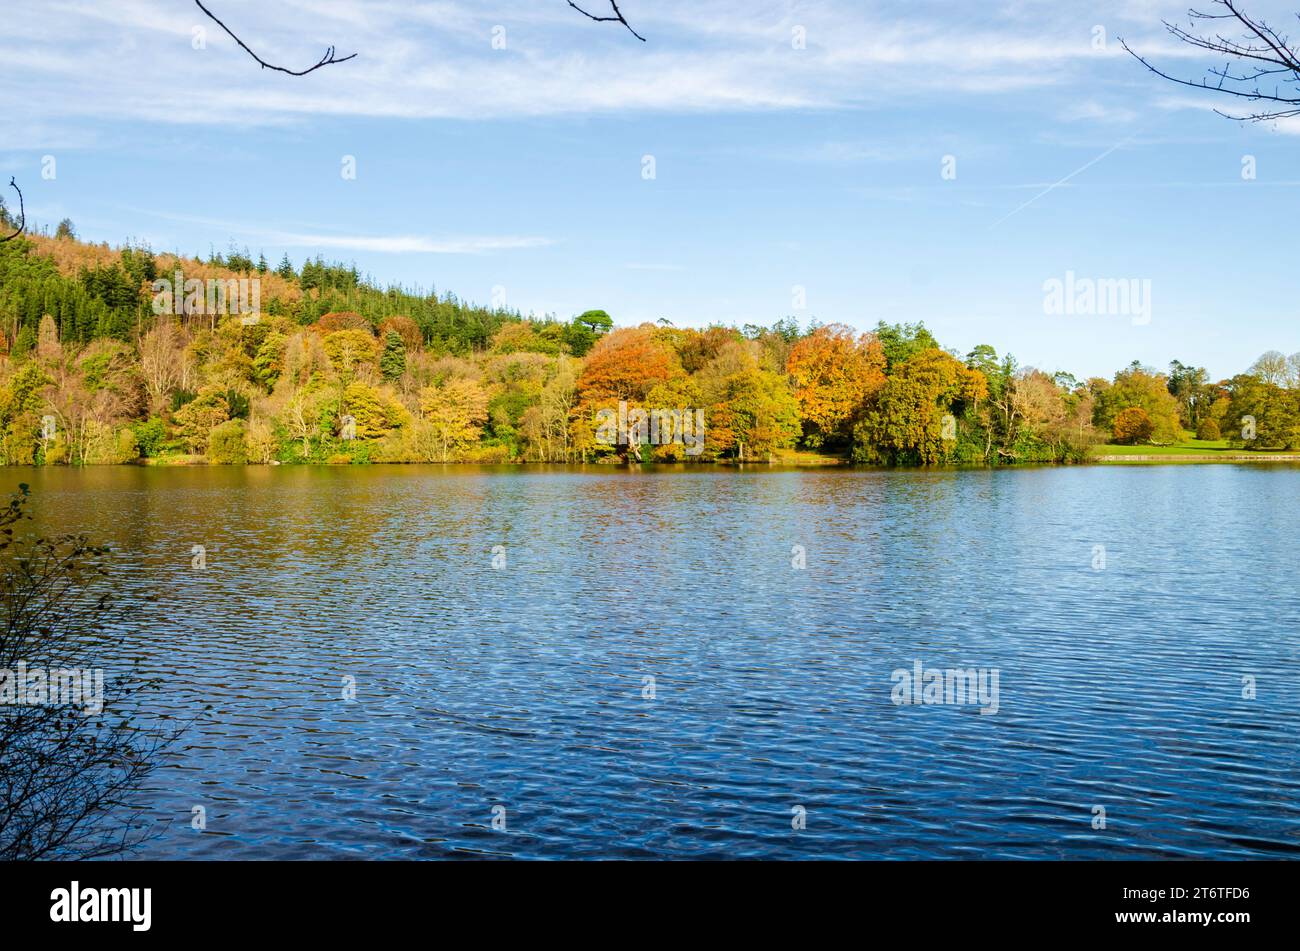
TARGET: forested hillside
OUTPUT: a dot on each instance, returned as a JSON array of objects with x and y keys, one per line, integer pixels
[{"x": 103, "y": 363}]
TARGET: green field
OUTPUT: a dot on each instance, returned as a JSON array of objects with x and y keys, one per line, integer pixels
[
  {"x": 1188, "y": 447},
  {"x": 1187, "y": 451}
]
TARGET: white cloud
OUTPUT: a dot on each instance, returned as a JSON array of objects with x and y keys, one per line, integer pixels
[
  {"x": 435, "y": 59},
  {"x": 405, "y": 244},
  {"x": 383, "y": 244}
]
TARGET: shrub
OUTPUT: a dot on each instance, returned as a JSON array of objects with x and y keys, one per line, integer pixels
[
  {"x": 56, "y": 454},
  {"x": 1208, "y": 430},
  {"x": 150, "y": 435},
  {"x": 1133, "y": 426},
  {"x": 228, "y": 444}
]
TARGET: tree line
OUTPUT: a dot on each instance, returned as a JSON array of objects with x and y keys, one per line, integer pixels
[{"x": 336, "y": 369}]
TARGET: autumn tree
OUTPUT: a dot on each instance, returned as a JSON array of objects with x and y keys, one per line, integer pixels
[
  {"x": 454, "y": 414},
  {"x": 162, "y": 361},
  {"x": 404, "y": 327},
  {"x": 623, "y": 366},
  {"x": 374, "y": 411},
  {"x": 749, "y": 411},
  {"x": 341, "y": 320},
  {"x": 1133, "y": 426},
  {"x": 94, "y": 396},
  {"x": 834, "y": 373},
  {"x": 1048, "y": 418},
  {"x": 348, "y": 349},
  {"x": 48, "y": 348},
  {"x": 555, "y": 408},
  {"x": 197, "y": 418},
  {"x": 1141, "y": 387}
]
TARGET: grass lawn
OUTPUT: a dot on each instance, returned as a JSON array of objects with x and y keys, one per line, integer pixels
[
  {"x": 1187, "y": 447},
  {"x": 800, "y": 457}
]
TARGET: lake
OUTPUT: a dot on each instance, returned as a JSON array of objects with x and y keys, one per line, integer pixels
[{"x": 642, "y": 671}]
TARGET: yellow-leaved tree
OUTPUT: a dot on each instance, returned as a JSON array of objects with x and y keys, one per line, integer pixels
[{"x": 454, "y": 414}]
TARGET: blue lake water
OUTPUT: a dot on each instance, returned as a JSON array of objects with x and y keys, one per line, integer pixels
[{"x": 519, "y": 693}]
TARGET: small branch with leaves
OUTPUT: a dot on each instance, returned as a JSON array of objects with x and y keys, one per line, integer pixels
[
  {"x": 1256, "y": 55},
  {"x": 329, "y": 59},
  {"x": 616, "y": 18},
  {"x": 22, "y": 212}
]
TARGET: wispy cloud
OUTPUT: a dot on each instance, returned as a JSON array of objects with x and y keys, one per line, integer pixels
[
  {"x": 405, "y": 244},
  {"x": 163, "y": 61},
  {"x": 383, "y": 244}
]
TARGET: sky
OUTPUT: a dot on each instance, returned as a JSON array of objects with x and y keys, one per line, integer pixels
[{"x": 844, "y": 161}]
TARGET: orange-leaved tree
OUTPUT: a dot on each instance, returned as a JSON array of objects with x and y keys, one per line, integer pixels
[
  {"x": 834, "y": 374},
  {"x": 624, "y": 365},
  {"x": 1133, "y": 425}
]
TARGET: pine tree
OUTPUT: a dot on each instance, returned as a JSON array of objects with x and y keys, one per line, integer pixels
[
  {"x": 24, "y": 343},
  {"x": 392, "y": 364},
  {"x": 285, "y": 270}
]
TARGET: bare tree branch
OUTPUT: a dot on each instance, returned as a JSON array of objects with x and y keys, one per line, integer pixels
[
  {"x": 1260, "y": 52},
  {"x": 327, "y": 60},
  {"x": 22, "y": 212},
  {"x": 70, "y": 773},
  {"x": 616, "y": 18}
]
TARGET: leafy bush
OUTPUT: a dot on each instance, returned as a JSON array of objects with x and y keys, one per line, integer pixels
[
  {"x": 228, "y": 443},
  {"x": 150, "y": 435},
  {"x": 1133, "y": 426},
  {"x": 1208, "y": 430}
]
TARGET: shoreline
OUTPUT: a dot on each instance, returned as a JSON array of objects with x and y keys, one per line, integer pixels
[
  {"x": 1232, "y": 458},
  {"x": 830, "y": 462}
]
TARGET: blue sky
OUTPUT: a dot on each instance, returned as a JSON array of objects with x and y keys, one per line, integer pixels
[{"x": 520, "y": 170}]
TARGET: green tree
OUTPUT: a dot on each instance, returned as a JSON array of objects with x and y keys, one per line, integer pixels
[
  {"x": 597, "y": 321},
  {"x": 901, "y": 342},
  {"x": 1190, "y": 386},
  {"x": 392, "y": 362},
  {"x": 150, "y": 435},
  {"x": 24, "y": 343},
  {"x": 228, "y": 443},
  {"x": 1261, "y": 415},
  {"x": 912, "y": 420},
  {"x": 1144, "y": 388}
]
